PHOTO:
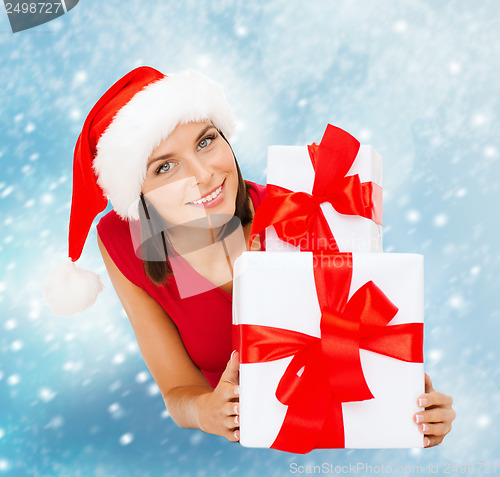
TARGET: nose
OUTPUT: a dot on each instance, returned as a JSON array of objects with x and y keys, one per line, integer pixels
[{"x": 200, "y": 170}]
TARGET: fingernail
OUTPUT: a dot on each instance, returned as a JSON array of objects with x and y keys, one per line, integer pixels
[
  {"x": 237, "y": 390},
  {"x": 422, "y": 402},
  {"x": 232, "y": 354},
  {"x": 235, "y": 409},
  {"x": 419, "y": 418},
  {"x": 425, "y": 427},
  {"x": 236, "y": 435},
  {"x": 427, "y": 441},
  {"x": 236, "y": 419}
]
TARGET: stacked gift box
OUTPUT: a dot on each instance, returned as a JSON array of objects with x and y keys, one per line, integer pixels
[{"x": 329, "y": 328}]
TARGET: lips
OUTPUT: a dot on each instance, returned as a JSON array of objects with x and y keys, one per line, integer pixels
[{"x": 211, "y": 196}]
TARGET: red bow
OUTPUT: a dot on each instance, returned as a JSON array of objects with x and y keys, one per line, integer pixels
[
  {"x": 297, "y": 216},
  {"x": 326, "y": 371}
]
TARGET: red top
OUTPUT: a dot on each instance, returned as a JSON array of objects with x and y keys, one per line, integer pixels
[{"x": 203, "y": 319}]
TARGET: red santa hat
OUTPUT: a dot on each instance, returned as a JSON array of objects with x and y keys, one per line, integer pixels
[{"x": 121, "y": 131}]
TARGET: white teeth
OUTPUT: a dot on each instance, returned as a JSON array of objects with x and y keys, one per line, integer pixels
[{"x": 210, "y": 197}]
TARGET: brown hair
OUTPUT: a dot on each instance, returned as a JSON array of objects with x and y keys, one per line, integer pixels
[{"x": 156, "y": 248}]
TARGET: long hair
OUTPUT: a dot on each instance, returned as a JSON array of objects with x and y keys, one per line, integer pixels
[{"x": 155, "y": 250}]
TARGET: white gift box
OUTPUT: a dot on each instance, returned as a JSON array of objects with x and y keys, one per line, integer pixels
[
  {"x": 278, "y": 290},
  {"x": 291, "y": 167}
]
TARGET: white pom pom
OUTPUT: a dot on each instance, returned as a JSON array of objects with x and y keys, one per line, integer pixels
[{"x": 70, "y": 289}]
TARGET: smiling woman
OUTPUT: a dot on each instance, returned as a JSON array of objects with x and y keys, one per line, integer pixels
[
  {"x": 158, "y": 147},
  {"x": 193, "y": 181},
  {"x": 183, "y": 184}
]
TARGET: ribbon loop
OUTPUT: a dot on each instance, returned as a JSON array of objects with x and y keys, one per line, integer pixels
[
  {"x": 340, "y": 343},
  {"x": 372, "y": 306},
  {"x": 298, "y": 215},
  {"x": 292, "y": 377}
]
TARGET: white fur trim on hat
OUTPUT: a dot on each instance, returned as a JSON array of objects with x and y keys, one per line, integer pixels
[{"x": 140, "y": 126}]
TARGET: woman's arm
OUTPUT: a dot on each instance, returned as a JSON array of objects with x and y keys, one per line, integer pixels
[{"x": 190, "y": 400}]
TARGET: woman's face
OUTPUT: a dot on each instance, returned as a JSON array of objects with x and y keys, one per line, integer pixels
[{"x": 191, "y": 175}]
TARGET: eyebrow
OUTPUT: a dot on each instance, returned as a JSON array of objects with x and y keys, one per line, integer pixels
[{"x": 168, "y": 156}]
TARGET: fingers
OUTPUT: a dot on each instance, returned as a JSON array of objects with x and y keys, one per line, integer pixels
[
  {"x": 435, "y": 398},
  {"x": 432, "y": 441},
  {"x": 428, "y": 384},
  {"x": 231, "y": 376},
  {"x": 233, "y": 435},
  {"x": 435, "y": 424},
  {"x": 231, "y": 408},
  {"x": 435, "y": 421},
  {"x": 438, "y": 430},
  {"x": 232, "y": 421},
  {"x": 227, "y": 392},
  {"x": 435, "y": 416},
  {"x": 230, "y": 392},
  {"x": 231, "y": 373},
  {"x": 233, "y": 431}
]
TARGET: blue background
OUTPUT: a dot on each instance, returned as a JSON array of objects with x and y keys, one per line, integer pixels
[{"x": 417, "y": 79}]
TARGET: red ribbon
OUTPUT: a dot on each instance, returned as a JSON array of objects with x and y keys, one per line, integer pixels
[
  {"x": 326, "y": 371},
  {"x": 297, "y": 216}
]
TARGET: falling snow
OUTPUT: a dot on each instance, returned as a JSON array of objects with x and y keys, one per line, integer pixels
[
  {"x": 126, "y": 439},
  {"x": 13, "y": 379},
  {"x": 142, "y": 377},
  {"x": 46, "y": 394},
  {"x": 415, "y": 79}
]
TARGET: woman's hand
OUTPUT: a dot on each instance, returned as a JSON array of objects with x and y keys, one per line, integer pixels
[
  {"x": 435, "y": 421},
  {"x": 218, "y": 411}
]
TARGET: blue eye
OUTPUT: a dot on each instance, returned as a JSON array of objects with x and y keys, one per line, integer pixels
[
  {"x": 164, "y": 168},
  {"x": 205, "y": 142}
]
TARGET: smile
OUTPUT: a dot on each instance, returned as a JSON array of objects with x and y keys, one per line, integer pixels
[{"x": 207, "y": 199}]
